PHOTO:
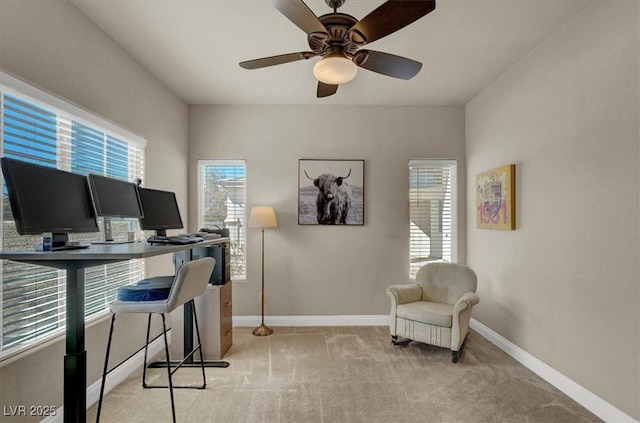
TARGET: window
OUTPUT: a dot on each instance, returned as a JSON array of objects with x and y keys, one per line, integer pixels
[
  {"x": 221, "y": 203},
  {"x": 431, "y": 212},
  {"x": 42, "y": 129}
]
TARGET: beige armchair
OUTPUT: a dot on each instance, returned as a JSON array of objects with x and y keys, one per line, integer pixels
[{"x": 437, "y": 308}]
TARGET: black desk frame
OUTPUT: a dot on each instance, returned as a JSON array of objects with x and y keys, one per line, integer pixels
[{"x": 75, "y": 262}]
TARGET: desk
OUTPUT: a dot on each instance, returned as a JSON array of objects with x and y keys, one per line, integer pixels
[{"x": 74, "y": 262}]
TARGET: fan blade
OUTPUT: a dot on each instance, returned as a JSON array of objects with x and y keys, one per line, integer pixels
[
  {"x": 388, "y": 64},
  {"x": 276, "y": 60},
  {"x": 388, "y": 18},
  {"x": 325, "y": 90},
  {"x": 300, "y": 14}
]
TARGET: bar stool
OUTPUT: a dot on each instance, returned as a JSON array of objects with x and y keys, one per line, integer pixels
[{"x": 190, "y": 281}]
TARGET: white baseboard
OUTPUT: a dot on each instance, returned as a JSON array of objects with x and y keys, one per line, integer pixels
[
  {"x": 346, "y": 320},
  {"x": 114, "y": 378},
  {"x": 582, "y": 396}
]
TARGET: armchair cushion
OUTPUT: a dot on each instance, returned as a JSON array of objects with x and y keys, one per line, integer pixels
[{"x": 439, "y": 314}]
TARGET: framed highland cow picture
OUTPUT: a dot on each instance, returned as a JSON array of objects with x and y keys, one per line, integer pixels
[{"x": 330, "y": 192}]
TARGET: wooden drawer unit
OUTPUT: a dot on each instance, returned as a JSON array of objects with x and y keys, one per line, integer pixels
[{"x": 215, "y": 316}]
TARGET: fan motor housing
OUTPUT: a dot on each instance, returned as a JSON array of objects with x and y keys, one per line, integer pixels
[{"x": 337, "y": 25}]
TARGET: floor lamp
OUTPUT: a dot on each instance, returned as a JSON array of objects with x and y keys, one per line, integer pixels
[{"x": 262, "y": 217}]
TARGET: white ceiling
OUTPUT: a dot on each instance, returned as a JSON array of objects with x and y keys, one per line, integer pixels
[{"x": 194, "y": 46}]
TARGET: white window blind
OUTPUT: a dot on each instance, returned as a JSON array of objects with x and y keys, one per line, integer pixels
[
  {"x": 45, "y": 131},
  {"x": 221, "y": 203},
  {"x": 431, "y": 215}
]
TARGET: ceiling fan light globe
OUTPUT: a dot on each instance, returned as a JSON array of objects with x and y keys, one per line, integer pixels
[{"x": 335, "y": 70}]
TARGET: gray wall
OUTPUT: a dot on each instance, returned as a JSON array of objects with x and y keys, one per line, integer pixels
[
  {"x": 52, "y": 45},
  {"x": 320, "y": 270},
  {"x": 565, "y": 285}
]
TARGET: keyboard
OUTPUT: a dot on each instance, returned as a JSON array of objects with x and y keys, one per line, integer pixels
[
  {"x": 70, "y": 247},
  {"x": 205, "y": 235},
  {"x": 175, "y": 240}
]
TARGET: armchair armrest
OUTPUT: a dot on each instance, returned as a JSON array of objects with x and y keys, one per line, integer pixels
[
  {"x": 468, "y": 300},
  {"x": 461, "y": 316},
  {"x": 401, "y": 294},
  {"x": 404, "y": 293}
]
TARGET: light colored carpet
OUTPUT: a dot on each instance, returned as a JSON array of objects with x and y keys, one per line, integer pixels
[{"x": 347, "y": 375}]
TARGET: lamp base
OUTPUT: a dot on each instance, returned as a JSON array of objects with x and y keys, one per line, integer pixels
[{"x": 262, "y": 331}]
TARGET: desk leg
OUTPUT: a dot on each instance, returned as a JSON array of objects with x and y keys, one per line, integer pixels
[
  {"x": 188, "y": 332},
  {"x": 75, "y": 359}
]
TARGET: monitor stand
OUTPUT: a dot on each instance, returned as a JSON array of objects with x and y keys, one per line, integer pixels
[
  {"x": 59, "y": 239},
  {"x": 108, "y": 236}
]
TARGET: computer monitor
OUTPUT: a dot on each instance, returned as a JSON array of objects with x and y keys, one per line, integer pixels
[
  {"x": 44, "y": 199},
  {"x": 114, "y": 198},
  {"x": 160, "y": 211}
]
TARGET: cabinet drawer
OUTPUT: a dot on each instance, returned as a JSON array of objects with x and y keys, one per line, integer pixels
[
  {"x": 226, "y": 325},
  {"x": 225, "y": 299},
  {"x": 226, "y": 333},
  {"x": 224, "y": 347}
]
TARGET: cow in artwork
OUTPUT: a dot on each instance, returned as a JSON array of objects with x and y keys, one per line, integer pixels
[{"x": 334, "y": 198}]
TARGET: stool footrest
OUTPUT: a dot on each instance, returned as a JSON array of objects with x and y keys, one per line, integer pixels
[
  {"x": 212, "y": 363},
  {"x": 174, "y": 386},
  {"x": 188, "y": 358}
]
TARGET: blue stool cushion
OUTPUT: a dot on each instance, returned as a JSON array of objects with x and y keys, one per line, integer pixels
[{"x": 151, "y": 289}]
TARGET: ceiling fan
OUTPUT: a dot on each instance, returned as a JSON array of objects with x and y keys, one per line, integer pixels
[{"x": 338, "y": 38}]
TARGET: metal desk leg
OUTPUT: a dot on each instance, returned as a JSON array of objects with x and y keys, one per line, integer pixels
[{"x": 75, "y": 359}]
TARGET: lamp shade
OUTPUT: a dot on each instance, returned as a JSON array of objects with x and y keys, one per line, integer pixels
[
  {"x": 335, "y": 70},
  {"x": 263, "y": 217}
]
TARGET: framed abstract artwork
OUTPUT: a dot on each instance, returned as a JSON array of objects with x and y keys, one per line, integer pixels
[
  {"x": 496, "y": 198},
  {"x": 330, "y": 192}
]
